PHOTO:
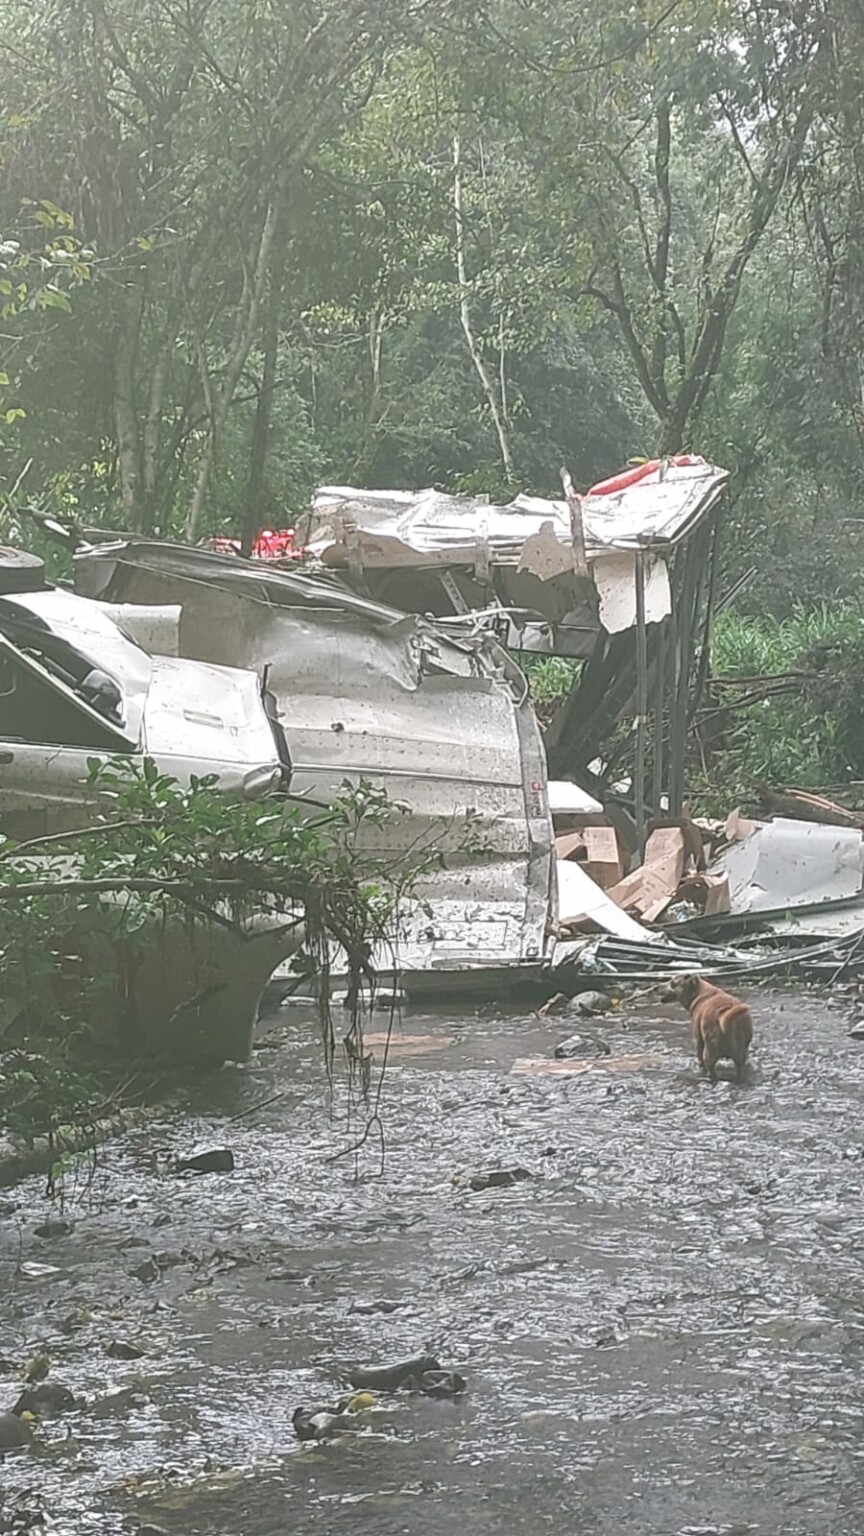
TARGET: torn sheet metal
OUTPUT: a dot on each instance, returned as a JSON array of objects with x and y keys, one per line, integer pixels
[
  {"x": 521, "y": 556},
  {"x": 365, "y": 692},
  {"x": 624, "y": 961},
  {"x": 427, "y": 527},
  {"x": 786, "y": 864},
  {"x": 827, "y": 921},
  {"x": 580, "y": 898},
  {"x": 191, "y": 718},
  {"x": 615, "y": 579}
]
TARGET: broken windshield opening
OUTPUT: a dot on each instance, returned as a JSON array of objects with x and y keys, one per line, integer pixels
[{"x": 62, "y": 661}]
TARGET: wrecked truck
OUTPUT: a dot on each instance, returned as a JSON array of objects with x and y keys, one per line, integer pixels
[
  {"x": 386, "y": 662},
  {"x": 365, "y": 692},
  {"x": 74, "y": 686}
]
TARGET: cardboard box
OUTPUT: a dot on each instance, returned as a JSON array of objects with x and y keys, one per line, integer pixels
[
  {"x": 665, "y": 854},
  {"x": 649, "y": 889},
  {"x": 597, "y": 850}
]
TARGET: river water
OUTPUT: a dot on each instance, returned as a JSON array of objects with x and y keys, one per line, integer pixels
[{"x": 662, "y": 1329}]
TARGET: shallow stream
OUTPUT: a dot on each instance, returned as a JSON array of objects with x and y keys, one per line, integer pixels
[{"x": 662, "y": 1329}]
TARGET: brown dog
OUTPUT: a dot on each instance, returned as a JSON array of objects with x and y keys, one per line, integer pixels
[{"x": 722, "y": 1024}]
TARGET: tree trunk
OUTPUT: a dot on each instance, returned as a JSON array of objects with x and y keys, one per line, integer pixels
[
  {"x": 671, "y": 436},
  {"x": 264, "y": 410},
  {"x": 150, "y": 446},
  {"x": 495, "y": 405},
  {"x": 241, "y": 343},
  {"x": 125, "y": 412}
]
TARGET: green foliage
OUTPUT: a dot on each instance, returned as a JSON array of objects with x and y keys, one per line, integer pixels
[
  {"x": 751, "y": 647},
  {"x": 785, "y": 706},
  {"x": 39, "y": 267},
  {"x": 550, "y": 677},
  {"x": 166, "y": 176},
  {"x": 160, "y": 852}
]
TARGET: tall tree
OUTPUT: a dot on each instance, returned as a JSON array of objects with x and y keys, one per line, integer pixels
[
  {"x": 179, "y": 129},
  {"x": 616, "y": 113}
]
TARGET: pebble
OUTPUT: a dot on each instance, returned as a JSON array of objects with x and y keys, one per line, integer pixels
[
  {"x": 218, "y": 1160},
  {"x": 576, "y": 1046},
  {"x": 122, "y": 1349},
  {"x": 498, "y": 1178}
]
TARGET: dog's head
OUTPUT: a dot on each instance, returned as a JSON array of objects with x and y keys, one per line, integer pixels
[{"x": 684, "y": 990}]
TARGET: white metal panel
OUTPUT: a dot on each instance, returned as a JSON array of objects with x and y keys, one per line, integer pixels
[
  {"x": 398, "y": 528},
  {"x": 206, "y": 714},
  {"x": 787, "y": 863}
]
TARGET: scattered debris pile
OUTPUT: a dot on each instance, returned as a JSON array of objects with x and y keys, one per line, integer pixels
[
  {"x": 789, "y": 889},
  {"x": 740, "y": 867}
]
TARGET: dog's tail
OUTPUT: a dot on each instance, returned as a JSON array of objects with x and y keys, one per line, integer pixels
[
  {"x": 737, "y": 1025},
  {"x": 738, "y": 1018}
]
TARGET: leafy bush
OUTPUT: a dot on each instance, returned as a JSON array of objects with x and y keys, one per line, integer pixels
[
  {"x": 784, "y": 706},
  {"x": 160, "y": 851},
  {"x": 550, "y": 677}
]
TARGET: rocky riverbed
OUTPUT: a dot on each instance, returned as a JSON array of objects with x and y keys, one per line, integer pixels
[{"x": 661, "y": 1327}]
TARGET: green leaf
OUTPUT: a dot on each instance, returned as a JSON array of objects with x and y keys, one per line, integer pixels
[{"x": 52, "y": 298}]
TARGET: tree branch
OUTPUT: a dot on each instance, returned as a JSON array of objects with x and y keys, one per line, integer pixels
[
  {"x": 660, "y": 266},
  {"x": 617, "y": 305},
  {"x": 465, "y": 316}
]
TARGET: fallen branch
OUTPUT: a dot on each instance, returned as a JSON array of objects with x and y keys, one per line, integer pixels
[{"x": 19, "y": 1161}]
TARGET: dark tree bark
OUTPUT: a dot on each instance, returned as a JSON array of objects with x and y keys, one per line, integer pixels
[{"x": 255, "y": 484}]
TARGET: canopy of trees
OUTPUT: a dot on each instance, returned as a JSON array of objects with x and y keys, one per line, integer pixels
[{"x": 245, "y": 247}]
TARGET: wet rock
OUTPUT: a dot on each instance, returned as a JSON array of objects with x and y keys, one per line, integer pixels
[
  {"x": 218, "y": 1160},
  {"x": 369, "y": 1308},
  {"x": 443, "y": 1384},
  {"x": 53, "y": 1229},
  {"x": 292, "y": 1277},
  {"x": 47, "y": 1398},
  {"x": 606, "y": 1338},
  {"x": 148, "y": 1271},
  {"x": 390, "y": 1378},
  {"x": 24, "y": 1516},
  {"x": 123, "y": 1349},
  {"x": 525, "y": 1266},
  {"x": 323, "y": 1422},
  {"x": 116, "y": 1404},
  {"x": 576, "y": 1046},
  {"x": 14, "y": 1433},
  {"x": 857, "y": 1031},
  {"x": 588, "y": 1003},
  {"x": 498, "y": 1178}
]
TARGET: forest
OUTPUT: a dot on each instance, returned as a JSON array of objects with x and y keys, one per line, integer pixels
[{"x": 248, "y": 248}]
